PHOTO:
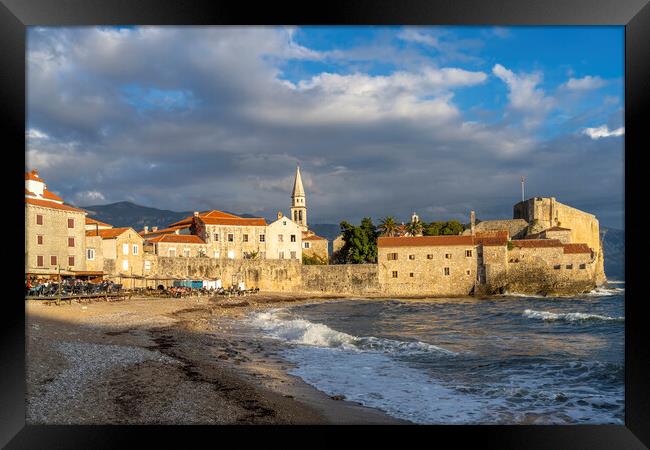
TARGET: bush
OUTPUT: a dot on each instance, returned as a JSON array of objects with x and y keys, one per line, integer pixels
[{"x": 314, "y": 260}]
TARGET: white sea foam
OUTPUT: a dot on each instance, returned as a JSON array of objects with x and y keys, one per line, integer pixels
[
  {"x": 299, "y": 331},
  {"x": 517, "y": 294},
  {"x": 566, "y": 317},
  {"x": 602, "y": 292}
]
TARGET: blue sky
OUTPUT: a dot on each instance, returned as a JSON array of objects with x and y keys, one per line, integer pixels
[{"x": 382, "y": 120}]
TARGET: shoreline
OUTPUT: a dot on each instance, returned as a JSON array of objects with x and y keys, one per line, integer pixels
[{"x": 169, "y": 361}]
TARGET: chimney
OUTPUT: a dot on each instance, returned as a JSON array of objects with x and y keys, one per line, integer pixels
[
  {"x": 280, "y": 215},
  {"x": 472, "y": 222},
  {"x": 196, "y": 214},
  {"x": 146, "y": 229},
  {"x": 154, "y": 229}
]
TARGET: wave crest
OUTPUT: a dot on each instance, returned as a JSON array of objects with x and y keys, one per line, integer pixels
[
  {"x": 301, "y": 331},
  {"x": 565, "y": 317}
]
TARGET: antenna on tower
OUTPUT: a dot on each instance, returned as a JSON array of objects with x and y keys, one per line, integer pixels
[{"x": 523, "y": 197}]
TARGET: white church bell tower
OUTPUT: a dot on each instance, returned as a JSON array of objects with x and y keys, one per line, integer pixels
[{"x": 298, "y": 203}]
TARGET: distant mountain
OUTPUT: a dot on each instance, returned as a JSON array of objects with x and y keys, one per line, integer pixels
[
  {"x": 614, "y": 249},
  {"x": 127, "y": 214}
]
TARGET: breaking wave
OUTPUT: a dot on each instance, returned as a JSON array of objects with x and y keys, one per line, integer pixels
[
  {"x": 601, "y": 291},
  {"x": 565, "y": 317},
  {"x": 276, "y": 324}
]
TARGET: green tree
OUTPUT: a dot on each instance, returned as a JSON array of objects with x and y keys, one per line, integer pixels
[
  {"x": 414, "y": 228},
  {"x": 388, "y": 226},
  {"x": 360, "y": 243},
  {"x": 452, "y": 227}
]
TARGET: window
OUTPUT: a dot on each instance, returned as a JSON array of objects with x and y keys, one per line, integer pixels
[
  {"x": 280, "y": 238},
  {"x": 284, "y": 222},
  {"x": 293, "y": 255},
  {"x": 39, "y": 219},
  {"x": 125, "y": 249},
  {"x": 135, "y": 249},
  {"x": 171, "y": 252},
  {"x": 446, "y": 270},
  {"x": 281, "y": 255},
  {"x": 583, "y": 266},
  {"x": 245, "y": 238},
  {"x": 468, "y": 253},
  {"x": 70, "y": 223},
  {"x": 411, "y": 257},
  {"x": 467, "y": 272},
  {"x": 411, "y": 274},
  {"x": 147, "y": 265},
  {"x": 429, "y": 256},
  {"x": 53, "y": 260},
  {"x": 262, "y": 238},
  {"x": 39, "y": 240},
  {"x": 216, "y": 237},
  {"x": 394, "y": 273},
  {"x": 70, "y": 242},
  {"x": 125, "y": 264},
  {"x": 569, "y": 266},
  {"x": 231, "y": 237},
  {"x": 231, "y": 254},
  {"x": 186, "y": 252},
  {"x": 392, "y": 256},
  {"x": 447, "y": 255},
  {"x": 39, "y": 261},
  {"x": 293, "y": 238},
  {"x": 306, "y": 244},
  {"x": 90, "y": 254},
  {"x": 557, "y": 266},
  {"x": 71, "y": 260}
]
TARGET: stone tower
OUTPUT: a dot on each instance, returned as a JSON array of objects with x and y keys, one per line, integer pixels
[{"x": 298, "y": 203}]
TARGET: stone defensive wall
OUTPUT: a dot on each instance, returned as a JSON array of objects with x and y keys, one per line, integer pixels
[{"x": 346, "y": 279}]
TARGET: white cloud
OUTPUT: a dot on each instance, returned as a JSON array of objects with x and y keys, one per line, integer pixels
[
  {"x": 89, "y": 197},
  {"x": 585, "y": 83},
  {"x": 414, "y": 35},
  {"x": 36, "y": 134},
  {"x": 603, "y": 131}
]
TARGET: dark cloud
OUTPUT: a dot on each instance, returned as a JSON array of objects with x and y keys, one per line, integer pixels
[{"x": 198, "y": 118}]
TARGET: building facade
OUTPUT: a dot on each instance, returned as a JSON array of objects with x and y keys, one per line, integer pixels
[
  {"x": 54, "y": 231},
  {"x": 283, "y": 239}
]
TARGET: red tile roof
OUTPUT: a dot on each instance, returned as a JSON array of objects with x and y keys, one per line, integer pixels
[
  {"x": 312, "y": 237},
  {"x": 53, "y": 205},
  {"x": 178, "y": 238},
  {"x": 536, "y": 243},
  {"x": 91, "y": 221},
  {"x": 492, "y": 237},
  {"x": 51, "y": 195},
  {"x": 239, "y": 221},
  {"x": 109, "y": 233},
  {"x": 424, "y": 241},
  {"x": 214, "y": 214},
  {"x": 33, "y": 175},
  {"x": 576, "y": 248},
  {"x": 164, "y": 230}
]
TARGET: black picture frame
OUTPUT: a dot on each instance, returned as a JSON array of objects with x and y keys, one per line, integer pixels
[{"x": 16, "y": 15}]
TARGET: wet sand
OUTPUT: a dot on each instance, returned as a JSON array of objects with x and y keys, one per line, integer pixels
[{"x": 169, "y": 361}]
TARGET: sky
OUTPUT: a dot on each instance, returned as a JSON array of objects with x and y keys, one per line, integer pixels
[{"x": 382, "y": 120}]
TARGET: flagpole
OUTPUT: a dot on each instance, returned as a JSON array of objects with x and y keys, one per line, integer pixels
[{"x": 523, "y": 197}]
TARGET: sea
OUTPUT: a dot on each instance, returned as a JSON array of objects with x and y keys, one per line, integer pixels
[{"x": 507, "y": 360}]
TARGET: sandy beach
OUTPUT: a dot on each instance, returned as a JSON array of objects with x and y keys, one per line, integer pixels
[{"x": 169, "y": 361}]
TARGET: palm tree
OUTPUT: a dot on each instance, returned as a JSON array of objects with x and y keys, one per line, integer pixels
[
  {"x": 414, "y": 228},
  {"x": 387, "y": 226}
]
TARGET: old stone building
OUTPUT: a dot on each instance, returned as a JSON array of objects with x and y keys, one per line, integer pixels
[
  {"x": 315, "y": 246},
  {"x": 547, "y": 213},
  {"x": 178, "y": 245},
  {"x": 283, "y": 239},
  {"x": 421, "y": 265},
  {"x": 54, "y": 231},
  {"x": 121, "y": 252}
]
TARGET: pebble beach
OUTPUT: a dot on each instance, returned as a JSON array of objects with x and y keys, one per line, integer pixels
[{"x": 169, "y": 361}]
